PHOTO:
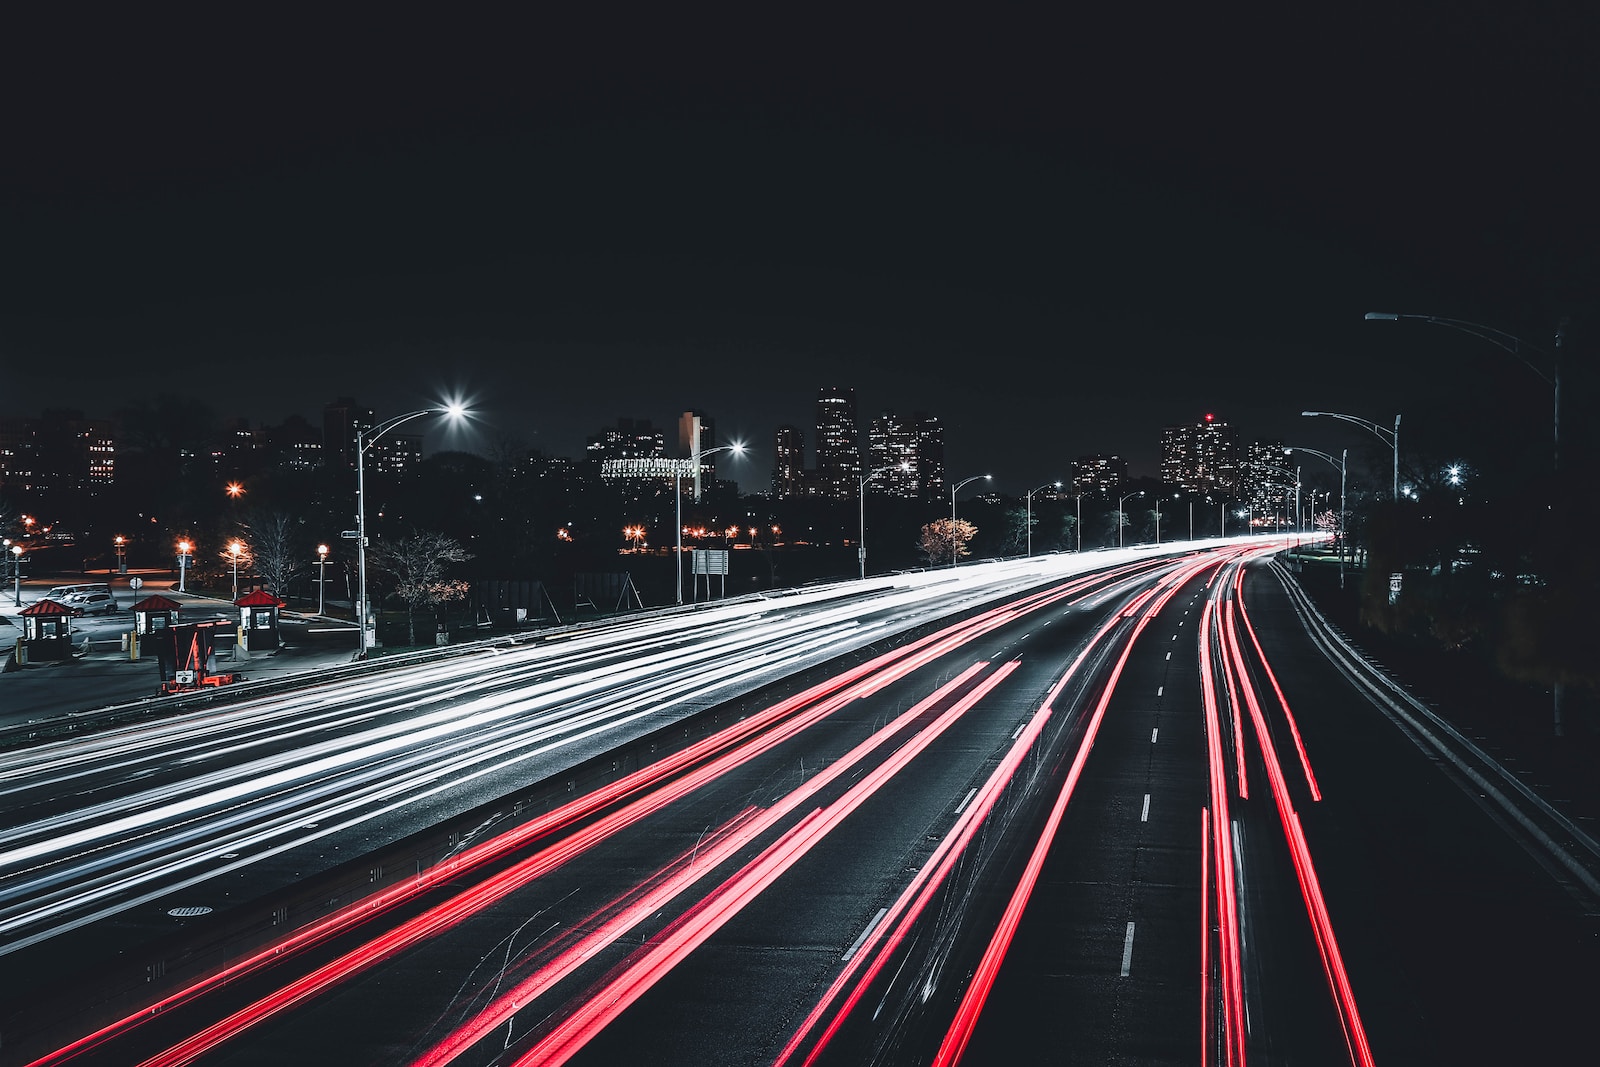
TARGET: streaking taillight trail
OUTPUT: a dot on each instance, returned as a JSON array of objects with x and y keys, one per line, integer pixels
[{"x": 606, "y": 810}]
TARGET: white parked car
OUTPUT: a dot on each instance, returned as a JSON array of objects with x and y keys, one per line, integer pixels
[{"x": 93, "y": 604}]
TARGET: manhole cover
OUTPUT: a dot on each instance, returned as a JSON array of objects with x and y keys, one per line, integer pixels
[{"x": 188, "y": 911}]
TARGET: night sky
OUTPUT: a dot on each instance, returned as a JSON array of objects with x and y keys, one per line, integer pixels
[{"x": 1056, "y": 235}]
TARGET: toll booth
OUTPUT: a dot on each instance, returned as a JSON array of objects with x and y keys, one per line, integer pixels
[
  {"x": 258, "y": 620},
  {"x": 46, "y": 632},
  {"x": 186, "y": 654},
  {"x": 153, "y": 614}
]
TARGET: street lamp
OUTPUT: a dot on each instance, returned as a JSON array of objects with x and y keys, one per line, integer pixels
[
  {"x": 1158, "y": 519},
  {"x": 1077, "y": 518},
  {"x": 322, "y": 576},
  {"x": 1035, "y": 489},
  {"x": 1392, "y": 437},
  {"x": 122, "y": 553},
  {"x": 16, "y": 572},
  {"x": 234, "y": 548},
  {"x": 955, "y": 548},
  {"x": 1341, "y": 464},
  {"x": 677, "y": 497},
  {"x": 184, "y": 549},
  {"x": 1514, "y": 345},
  {"x": 861, "y": 499},
  {"x": 1121, "y": 519},
  {"x": 365, "y": 439}
]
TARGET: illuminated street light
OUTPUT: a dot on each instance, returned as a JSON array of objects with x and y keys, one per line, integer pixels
[
  {"x": 1122, "y": 519},
  {"x": 16, "y": 572},
  {"x": 322, "y": 577},
  {"x": 235, "y": 490},
  {"x": 122, "y": 553},
  {"x": 1391, "y": 437},
  {"x": 861, "y": 500},
  {"x": 365, "y": 439},
  {"x": 1035, "y": 489},
  {"x": 1340, "y": 463},
  {"x": 695, "y": 458},
  {"x": 185, "y": 549},
  {"x": 954, "y": 489},
  {"x": 234, "y": 548}
]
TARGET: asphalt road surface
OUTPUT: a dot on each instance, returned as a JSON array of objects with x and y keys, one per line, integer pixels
[{"x": 1150, "y": 814}]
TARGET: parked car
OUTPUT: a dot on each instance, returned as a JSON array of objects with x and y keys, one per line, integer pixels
[{"x": 93, "y": 604}]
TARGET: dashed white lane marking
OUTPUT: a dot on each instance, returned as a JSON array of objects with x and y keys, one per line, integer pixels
[
  {"x": 1153, "y": 732},
  {"x": 1144, "y": 816},
  {"x": 878, "y": 918},
  {"x": 966, "y": 800},
  {"x": 1160, "y": 689},
  {"x": 1127, "y": 951}
]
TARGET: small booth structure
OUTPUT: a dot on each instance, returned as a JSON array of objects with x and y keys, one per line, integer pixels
[
  {"x": 152, "y": 616},
  {"x": 46, "y": 632},
  {"x": 258, "y": 621}
]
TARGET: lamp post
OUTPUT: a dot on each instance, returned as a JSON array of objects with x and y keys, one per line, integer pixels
[
  {"x": 122, "y": 553},
  {"x": 1514, "y": 345},
  {"x": 955, "y": 548},
  {"x": 1077, "y": 518},
  {"x": 1035, "y": 489},
  {"x": 234, "y": 548},
  {"x": 677, "y": 499},
  {"x": 1121, "y": 519},
  {"x": 861, "y": 499},
  {"x": 16, "y": 573},
  {"x": 365, "y": 439},
  {"x": 1158, "y": 518},
  {"x": 1392, "y": 437},
  {"x": 322, "y": 577},
  {"x": 184, "y": 549}
]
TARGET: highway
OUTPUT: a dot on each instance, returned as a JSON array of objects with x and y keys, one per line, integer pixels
[{"x": 1150, "y": 811}]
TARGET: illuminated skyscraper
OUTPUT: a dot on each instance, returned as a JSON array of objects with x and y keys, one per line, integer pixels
[
  {"x": 931, "y": 479},
  {"x": 892, "y": 442},
  {"x": 1203, "y": 458},
  {"x": 789, "y": 463},
  {"x": 838, "y": 444},
  {"x": 1099, "y": 475}
]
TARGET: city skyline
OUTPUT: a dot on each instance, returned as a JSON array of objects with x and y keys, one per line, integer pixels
[{"x": 1059, "y": 243}]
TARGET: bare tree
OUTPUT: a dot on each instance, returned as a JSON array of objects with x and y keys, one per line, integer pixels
[
  {"x": 418, "y": 563},
  {"x": 273, "y": 539},
  {"x": 944, "y": 541}
]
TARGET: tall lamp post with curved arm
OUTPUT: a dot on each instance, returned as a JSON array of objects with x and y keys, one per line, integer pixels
[
  {"x": 1390, "y": 437},
  {"x": 1515, "y": 346},
  {"x": 365, "y": 439},
  {"x": 1035, "y": 489},
  {"x": 955, "y": 547},
  {"x": 677, "y": 500},
  {"x": 1340, "y": 463},
  {"x": 861, "y": 499},
  {"x": 1121, "y": 518}
]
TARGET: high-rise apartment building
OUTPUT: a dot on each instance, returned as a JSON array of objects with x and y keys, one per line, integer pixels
[
  {"x": 1202, "y": 458},
  {"x": 1098, "y": 475},
  {"x": 892, "y": 443},
  {"x": 340, "y": 421},
  {"x": 628, "y": 439},
  {"x": 789, "y": 463},
  {"x": 838, "y": 444},
  {"x": 931, "y": 478},
  {"x": 1267, "y": 476}
]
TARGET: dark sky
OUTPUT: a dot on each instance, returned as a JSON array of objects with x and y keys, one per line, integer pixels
[{"x": 1056, "y": 235}]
